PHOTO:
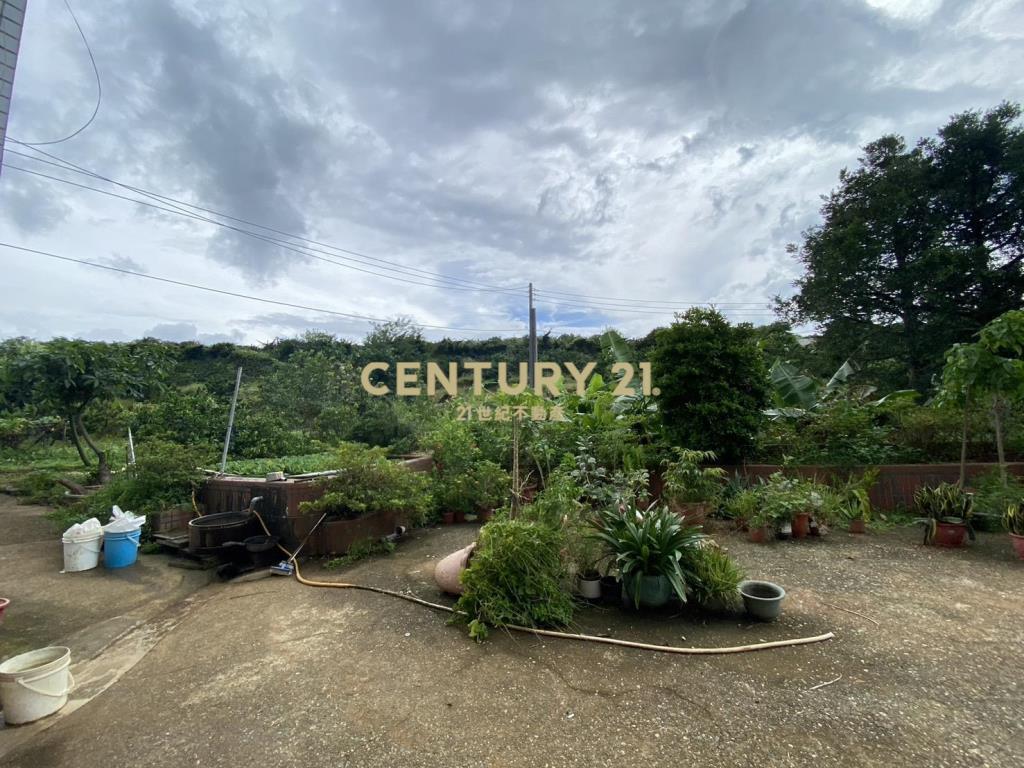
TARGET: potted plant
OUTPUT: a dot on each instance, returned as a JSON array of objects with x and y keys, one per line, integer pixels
[
  {"x": 647, "y": 546},
  {"x": 856, "y": 506},
  {"x": 945, "y": 514},
  {"x": 741, "y": 507},
  {"x": 759, "y": 529},
  {"x": 587, "y": 556},
  {"x": 1013, "y": 521},
  {"x": 691, "y": 489}
]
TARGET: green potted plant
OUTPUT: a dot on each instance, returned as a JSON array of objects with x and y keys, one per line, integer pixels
[
  {"x": 945, "y": 514},
  {"x": 587, "y": 557},
  {"x": 1013, "y": 521},
  {"x": 692, "y": 490},
  {"x": 647, "y": 546},
  {"x": 856, "y": 506},
  {"x": 760, "y": 525}
]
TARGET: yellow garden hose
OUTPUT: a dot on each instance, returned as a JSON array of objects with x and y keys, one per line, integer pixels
[{"x": 552, "y": 633}]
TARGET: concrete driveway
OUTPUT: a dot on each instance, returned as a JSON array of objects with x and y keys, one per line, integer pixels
[{"x": 277, "y": 674}]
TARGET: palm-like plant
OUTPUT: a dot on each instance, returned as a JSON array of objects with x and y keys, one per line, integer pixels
[
  {"x": 647, "y": 542},
  {"x": 1013, "y": 519}
]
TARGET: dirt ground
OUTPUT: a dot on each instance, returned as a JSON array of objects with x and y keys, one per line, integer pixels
[{"x": 274, "y": 673}]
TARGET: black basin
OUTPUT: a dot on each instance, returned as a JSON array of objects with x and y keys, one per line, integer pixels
[{"x": 209, "y": 533}]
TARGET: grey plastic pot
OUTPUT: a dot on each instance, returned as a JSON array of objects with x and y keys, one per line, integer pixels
[{"x": 762, "y": 599}]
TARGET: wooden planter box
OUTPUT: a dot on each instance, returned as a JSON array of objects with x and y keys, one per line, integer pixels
[{"x": 280, "y": 509}]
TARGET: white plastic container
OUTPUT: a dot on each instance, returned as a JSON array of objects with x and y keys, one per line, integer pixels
[
  {"x": 35, "y": 684},
  {"x": 82, "y": 552}
]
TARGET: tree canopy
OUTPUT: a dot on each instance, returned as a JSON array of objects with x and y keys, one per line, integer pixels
[{"x": 919, "y": 247}]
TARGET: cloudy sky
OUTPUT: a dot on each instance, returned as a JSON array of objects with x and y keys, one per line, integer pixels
[{"x": 435, "y": 157}]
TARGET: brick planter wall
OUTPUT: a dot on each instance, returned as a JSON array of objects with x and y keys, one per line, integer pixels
[{"x": 896, "y": 482}]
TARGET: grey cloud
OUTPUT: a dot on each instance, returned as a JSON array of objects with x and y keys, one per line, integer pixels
[
  {"x": 32, "y": 205},
  {"x": 502, "y": 140},
  {"x": 190, "y": 332}
]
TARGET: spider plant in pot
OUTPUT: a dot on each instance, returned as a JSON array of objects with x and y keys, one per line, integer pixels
[
  {"x": 647, "y": 546},
  {"x": 945, "y": 514},
  {"x": 1013, "y": 521},
  {"x": 692, "y": 490}
]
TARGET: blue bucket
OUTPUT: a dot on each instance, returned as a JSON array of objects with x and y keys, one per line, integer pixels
[{"x": 121, "y": 549}]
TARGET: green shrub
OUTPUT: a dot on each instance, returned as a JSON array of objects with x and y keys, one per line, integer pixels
[
  {"x": 38, "y": 488},
  {"x": 992, "y": 498},
  {"x": 369, "y": 482},
  {"x": 713, "y": 382},
  {"x": 686, "y": 481},
  {"x": 516, "y": 577},
  {"x": 714, "y": 577},
  {"x": 164, "y": 475}
]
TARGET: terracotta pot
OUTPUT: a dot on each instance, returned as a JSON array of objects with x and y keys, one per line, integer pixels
[
  {"x": 447, "y": 518},
  {"x": 692, "y": 512},
  {"x": 485, "y": 515},
  {"x": 801, "y": 525},
  {"x": 949, "y": 535},
  {"x": 460, "y": 517},
  {"x": 450, "y": 568},
  {"x": 858, "y": 526},
  {"x": 758, "y": 535},
  {"x": 1018, "y": 544}
]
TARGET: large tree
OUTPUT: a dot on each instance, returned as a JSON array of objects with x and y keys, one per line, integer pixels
[
  {"x": 713, "y": 383},
  {"x": 919, "y": 247},
  {"x": 66, "y": 376}
]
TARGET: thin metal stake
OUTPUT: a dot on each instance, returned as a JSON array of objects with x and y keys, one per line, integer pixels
[{"x": 231, "y": 422}]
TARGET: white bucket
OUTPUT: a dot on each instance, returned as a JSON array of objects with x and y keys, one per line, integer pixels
[
  {"x": 35, "y": 684},
  {"x": 82, "y": 552}
]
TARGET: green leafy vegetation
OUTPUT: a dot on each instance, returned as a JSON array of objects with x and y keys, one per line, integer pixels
[
  {"x": 369, "y": 482},
  {"x": 516, "y": 577}
]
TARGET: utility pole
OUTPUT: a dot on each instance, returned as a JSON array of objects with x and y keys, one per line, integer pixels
[{"x": 532, "y": 364}]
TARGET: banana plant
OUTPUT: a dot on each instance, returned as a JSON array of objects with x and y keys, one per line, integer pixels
[{"x": 796, "y": 393}]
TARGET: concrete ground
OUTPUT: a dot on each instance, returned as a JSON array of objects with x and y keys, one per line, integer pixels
[{"x": 275, "y": 673}]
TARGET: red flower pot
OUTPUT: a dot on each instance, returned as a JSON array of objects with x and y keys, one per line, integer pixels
[
  {"x": 447, "y": 518},
  {"x": 858, "y": 526},
  {"x": 801, "y": 525},
  {"x": 949, "y": 534},
  {"x": 1018, "y": 544},
  {"x": 485, "y": 515},
  {"x": 460, "y": 517},
  {"x": 758, "y": 535}
]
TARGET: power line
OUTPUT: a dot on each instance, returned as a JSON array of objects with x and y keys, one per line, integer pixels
[
  {"x": 605, "y": 303},
  {"x": 222, "y": 292},
  {"x": 301, "y": 250},
  {"x": 647, "y": 310},
  {"x": 99, "y": 89},
  {"x": 364, "y": 258},
  {"x": 646, "y": 301}
]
